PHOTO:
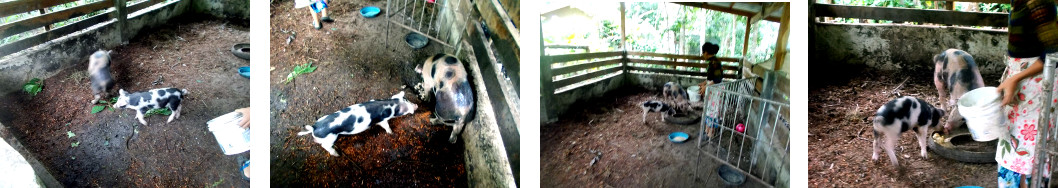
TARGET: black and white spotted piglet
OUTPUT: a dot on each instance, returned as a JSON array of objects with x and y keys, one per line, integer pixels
[
  {"x": 167, "y": 98},
  {"x": 357, "y": 118},
  {"x": 656, "y": 106},
  {"x": 903, "y": 114},
  {"x": 445, "y": 79}
]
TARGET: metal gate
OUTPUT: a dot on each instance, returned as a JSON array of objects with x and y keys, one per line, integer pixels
[
  {"x": 761, "y": 149},
  {"x": 1045, "y": 147},
  {"x": 442, "y": 21}
]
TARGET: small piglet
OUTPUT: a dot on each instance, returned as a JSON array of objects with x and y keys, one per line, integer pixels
[
  {"x": 900, "y": 115},
  {"x": 956, "y": 73},
  {"x": 656, "y": 106},
  {"x": 99, "y": 71},
  {"x": 445, "y": 77},
  {"x": 168, "y": 98},
  {"x": 357, "y": 118}
]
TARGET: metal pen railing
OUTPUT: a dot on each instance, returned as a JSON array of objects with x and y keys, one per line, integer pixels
[{"x": 765, "y": 135}]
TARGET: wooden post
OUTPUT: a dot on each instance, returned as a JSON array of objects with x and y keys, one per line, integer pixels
[
  {"x": 784, "y": 35},
  {"x": 122, "y": 16},
  {"x": 745, "y": 47},
  {"x": 546, "y": 90},
  {"x": 622, "y": 27},
  {"x": 46, "y": 27}
]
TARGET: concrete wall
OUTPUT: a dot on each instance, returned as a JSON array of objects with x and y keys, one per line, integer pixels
[
  {"x": 229, "y": 9},
  {"x": 48, "y": 59},
  {"x": 902, "y": 47},
  {"x": 560, "y": 102}
]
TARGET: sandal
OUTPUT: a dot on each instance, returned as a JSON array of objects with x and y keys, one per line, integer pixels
[
  {"x": 317, "y": 25},
  {"x": 327, "y": 19},
  {"x": 243, "y": 169}
]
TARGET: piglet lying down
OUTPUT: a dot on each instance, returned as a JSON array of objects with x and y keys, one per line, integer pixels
[{"x": 357, "y": 118}]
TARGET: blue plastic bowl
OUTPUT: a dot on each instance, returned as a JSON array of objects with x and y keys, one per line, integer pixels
[
  {"x": 244, "y": 71},
  {"x": 370, "y": 11},
  {"x": 673, "y": 136}
]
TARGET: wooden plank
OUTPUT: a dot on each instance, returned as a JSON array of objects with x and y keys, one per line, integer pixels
[
  {"x": 574, "y": 57},
  {"x": 23, "y": 6},
  {"x": 143, "y": 5},
  {"x": 728, "y": 10},
  {"x": 668, "y": 71},
  {"x": 576, "y": 79},
  {"x": 53, "y": 34},
  {"x": 694, "y": 57},
  {"x": 42, "y": 20},
  {"x": 912, "y": 15},
  {"x": 575, "y": 68},
  {"x": 685, "y": 64}
]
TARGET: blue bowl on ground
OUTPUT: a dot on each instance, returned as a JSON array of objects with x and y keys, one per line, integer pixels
[
  {"x": 679, "y": 137},
  {"x": 730, "y": 176},
  {"x": 244, "y": 71},
  {"x": 370, "y": 11}
]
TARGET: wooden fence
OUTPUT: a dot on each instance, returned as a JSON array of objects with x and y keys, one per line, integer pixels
[
  {"x": 573, "y": 69},
  {"x": 949, "y": 17},
  {"x": 120, "y": 12}
]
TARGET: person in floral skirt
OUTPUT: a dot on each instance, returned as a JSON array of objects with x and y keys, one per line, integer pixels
[{"x": 1030, "y": 39}]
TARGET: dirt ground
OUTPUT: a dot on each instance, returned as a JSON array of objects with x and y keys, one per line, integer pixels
[
  {"x": 841, "y": 136},
  {"x": 191, "y": 55},
  {"x": 354, "y": 65},
  {"x": 633, "y": 154}
]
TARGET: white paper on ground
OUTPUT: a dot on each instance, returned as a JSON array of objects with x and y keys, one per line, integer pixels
[
  {"x": 16, "y": 170},
  {"x": 231, "y": 138}
]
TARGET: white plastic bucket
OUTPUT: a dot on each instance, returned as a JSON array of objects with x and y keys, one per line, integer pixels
[
  {"x": 692, "y": 92},
  {"x": 982, "y": 110}
]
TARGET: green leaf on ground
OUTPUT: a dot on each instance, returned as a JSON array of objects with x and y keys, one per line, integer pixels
[
  {"x": 106, "y": 143},
  {"x": 159, "y": 111},
  {"x": 33, "y": 87},
  {"x": 97, "y": 109},
  {"x": 69, "y": 134},
  {"x": 299, "y": 70},
  {"x": 217, "y": 183},
  {"x": 75, "y": 144}
]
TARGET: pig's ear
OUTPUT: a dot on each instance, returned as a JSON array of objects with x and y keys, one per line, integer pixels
[
  {"x": 418, "y": 69},
  {"x": 122, "y": 92},
  {"x": 398, "y": 95}
]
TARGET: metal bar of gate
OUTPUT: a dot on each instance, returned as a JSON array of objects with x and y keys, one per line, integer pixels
[{"x": 1043, "y": 144}]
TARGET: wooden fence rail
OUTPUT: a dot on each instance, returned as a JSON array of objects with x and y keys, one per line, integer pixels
[
  {"x": 46, "y": 20},
  {"x": 644, "y": 60},
  {"x": 948, "y": 17}
]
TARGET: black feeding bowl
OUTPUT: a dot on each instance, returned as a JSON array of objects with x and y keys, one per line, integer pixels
[
  {"x": 415, "y": 40},
  {"x": 960, "y": 146},
  {"x": 731, "y": 176}
]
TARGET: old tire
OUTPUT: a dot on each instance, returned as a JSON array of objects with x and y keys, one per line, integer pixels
[
  {"x": 948, "y": 150},
  {"x": 241, "y": 51},
  {"x": 683, "y": 118}
]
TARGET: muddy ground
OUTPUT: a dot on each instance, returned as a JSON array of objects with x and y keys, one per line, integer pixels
[
  {"x": 840, "y": 150},
  {"x": 99, "y": 153},
  {"x": 354, "y": 65},
  {"x": 633, "y": 154}
]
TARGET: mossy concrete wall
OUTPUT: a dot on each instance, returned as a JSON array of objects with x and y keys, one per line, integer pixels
[
  {"x": 893, "y": 47},
  {"x": 50, "y": 58},
  {"x": 560, "y": 102},
  {"x": 228, "y": 9}
]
